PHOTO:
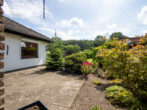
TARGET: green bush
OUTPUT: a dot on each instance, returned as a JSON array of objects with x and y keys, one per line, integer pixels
[
  {"x": 97, "y": 82},
  {"x": 116, "y": 81},
  {"x": 120, "y": 96},
  {"x": 96, "y": 108},
  {"x": 48, "y": 55},
  {"x": 54, "y": 60},
  {"x": 99, "y": 60},
  {"x": 71, "y": 49},
  {"x": 73, "y": 62},
  {"x": 94, "y": 52},
  {"x": 88, "y": 53},
  {"x": 129, "y": 65}
]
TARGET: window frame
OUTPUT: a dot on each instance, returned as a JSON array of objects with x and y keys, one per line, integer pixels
[{"x": 30, "y": 57}]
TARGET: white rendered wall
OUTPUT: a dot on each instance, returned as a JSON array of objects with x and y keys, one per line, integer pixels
[{"x": 13, "y": 60}]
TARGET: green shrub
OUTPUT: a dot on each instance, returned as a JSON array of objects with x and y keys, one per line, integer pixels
[
  {"x": 48, "y": 55},
  {"x": 96, "y": 108},
  {"x": 71, "y": 49},
  {"x": 120, "y": 96},
  {"x": 99, "y": 60},
  {"x": 97, "y": 82},
  {"x": 94, "y": 53},
  {"x": 130, "y": 65},
  {"x": 116, "y": 81},
  {"x": 54, "y": 60},
  {"x": 73, "y": 62},
  {"x": 88, "y": 53}
]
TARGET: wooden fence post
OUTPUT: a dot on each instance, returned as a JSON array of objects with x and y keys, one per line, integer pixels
[{"x": 2, "y": 48}]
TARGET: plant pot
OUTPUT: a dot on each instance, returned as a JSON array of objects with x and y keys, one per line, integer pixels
[{"x": 38, "y": 105}]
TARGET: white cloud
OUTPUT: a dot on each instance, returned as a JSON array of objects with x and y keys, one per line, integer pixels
[
  {"x": 112, "y": 26},
  {"x": 144, "y": 32},
  {"x": 143, "y": 15},
  {"x": 69, "y": 35},
  {"x": 65, "y": 35},
  {"x": 6, "y": 9},
  {"x": 26, "y": 9},
  {"x": 73, "y": 22},
  {"x": 124, "y": 28}
]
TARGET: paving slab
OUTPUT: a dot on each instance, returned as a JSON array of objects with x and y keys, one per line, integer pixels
[{"x": 55, "y": 90}]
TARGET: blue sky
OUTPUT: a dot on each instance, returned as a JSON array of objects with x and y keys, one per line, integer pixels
[{"x": 80, "y": 19}]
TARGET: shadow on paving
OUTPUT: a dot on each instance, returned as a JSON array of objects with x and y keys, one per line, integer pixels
[
  {"x": 103, "y": 87},
  {"x": 63, "y": 73}
]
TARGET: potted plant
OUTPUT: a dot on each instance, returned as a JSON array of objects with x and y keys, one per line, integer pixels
[{"x": 34, "y": 106}]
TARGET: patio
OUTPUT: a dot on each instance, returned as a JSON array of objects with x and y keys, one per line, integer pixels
[{"x": 55, "y": 90}]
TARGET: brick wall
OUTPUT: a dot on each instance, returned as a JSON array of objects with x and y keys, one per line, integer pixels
[{"x": 2, "y": 47}]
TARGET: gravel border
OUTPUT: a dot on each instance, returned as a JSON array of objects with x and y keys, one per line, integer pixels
[{"x": 91, "y": 95}]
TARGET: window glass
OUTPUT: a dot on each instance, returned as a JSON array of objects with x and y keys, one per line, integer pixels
[{"x": 29, "y": 50}]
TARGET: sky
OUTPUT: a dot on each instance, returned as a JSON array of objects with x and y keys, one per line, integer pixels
[{"x": 80, "y": 19}]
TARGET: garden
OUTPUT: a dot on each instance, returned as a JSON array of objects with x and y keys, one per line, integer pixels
[{"x": 114, "y": 70}]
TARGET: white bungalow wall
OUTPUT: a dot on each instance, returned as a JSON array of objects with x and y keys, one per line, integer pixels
[{"x": 13, "y": 60}]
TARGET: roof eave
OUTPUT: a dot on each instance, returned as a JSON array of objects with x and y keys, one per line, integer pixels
[{"x": 28, "y": 36}]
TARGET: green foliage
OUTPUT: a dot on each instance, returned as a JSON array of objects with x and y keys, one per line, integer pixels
[
  {"x": 70, "y": 49},
  {"x": 48, "y": 56},
  {"x": 97, "y": 82},
  {"x": 96, "y": 108},
  {"x": 84, "y": 44},
  {"x": 114, "y": 60},
  {"x": 118, "y": 35},
  {"x": 54, "y": 60},
  {"x": 90, "y": 60},
  {"x": 74, "y": 46},
  {"x": 120, "y": 96},
  {"x": 73, "y": 62},
  {"x": 57, "y": 43},
  {"x": 102, "y": 74},
  {"x": 99, "y": 40},
  {"x": 88, "y": 53},
  {"x": 130, "y": 65},
  {"x": 94, "y": 53},
  {"x": 116, "y": 81}
]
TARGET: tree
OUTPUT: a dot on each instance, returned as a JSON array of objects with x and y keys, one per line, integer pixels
[
  {"x": 84, "y": 44},
  {"x": 56, "y": 39},
  {"x": 54, "y": 60},
  {"x": 57, "y": 43},
  {"x": 99, "y": 40},
  {"x": 70, "y": 49},
  {"x": 118, "y": 35}
]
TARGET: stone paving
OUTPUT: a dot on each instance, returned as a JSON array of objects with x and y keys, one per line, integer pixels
[{"x": 54, "y": 89}]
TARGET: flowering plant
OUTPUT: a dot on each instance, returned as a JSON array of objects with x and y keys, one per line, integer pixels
[{"x": 86, "y": 68}]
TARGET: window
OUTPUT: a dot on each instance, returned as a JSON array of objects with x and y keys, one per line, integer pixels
[{"x": 29, "y": 50}]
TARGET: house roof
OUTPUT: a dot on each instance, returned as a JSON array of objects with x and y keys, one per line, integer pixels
[
  {"x": 132, "y": 39},
  {"x": 16, "y": 28}
]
